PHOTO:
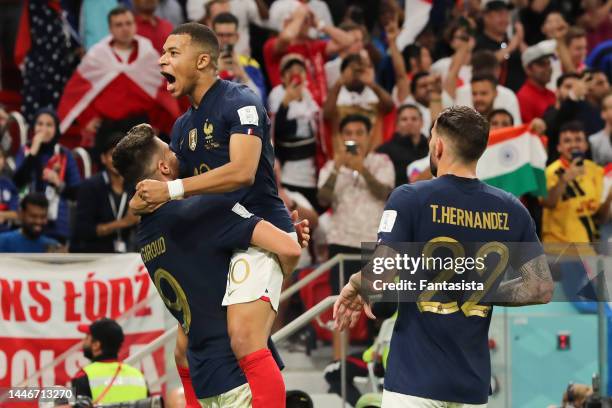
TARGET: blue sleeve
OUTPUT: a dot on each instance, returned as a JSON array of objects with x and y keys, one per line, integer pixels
[
  {"x": 3, "y": 242},
  {"x": 238, "y": 230},
  {"x": 246, "y": 114},
  {"x": 397, "y": 222},
  {"x": 13, "y": 204},
  {"x": 73, "y": 177}
]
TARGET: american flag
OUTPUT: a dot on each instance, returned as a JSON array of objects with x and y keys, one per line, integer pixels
[{"x": 51, "y": 57}]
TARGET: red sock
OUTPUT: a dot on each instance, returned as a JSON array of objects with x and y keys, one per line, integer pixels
[
  {"x": 190, "y": 397},
  {"x": 265, "y": 379}
]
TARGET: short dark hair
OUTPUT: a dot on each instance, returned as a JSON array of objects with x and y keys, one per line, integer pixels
[
  {"x": 133, "y": 154},
  {"x": 564, "y": 77},
  {"x": 35, "y": 199},
  {"x": 572, "y": 126},
  {"x": 225, "y": 18},
  {"x": 352, "y": 26},
  {"x": 355, "y": 117},
  {"x": 411, "y": 51},
  {"x": 348, "y": 60},
  {"x": 117, "y": 11},
  {"x": 415, "y": 80},
  {"x": 467, "y": 129},
  {"x": 484, "y": 60},
  {"x": 500, "y": 111},
  {"x": 408, "y": 106},
  {"x": 484, "y": 77},
  {"x": 202, "y": 35}
]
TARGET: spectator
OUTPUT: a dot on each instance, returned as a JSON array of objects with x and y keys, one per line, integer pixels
[
  {"x": 103, "y": 221},
  {"x": 150, "y": 26},
  {"x": 408, "y": 143},
  {"x": 596, "y": 21},
  {"x": 50, "y": 61},
  {"x": 233, "y": 66},
  {"x": 47, "y": 167},
  {"x": 424, "y": 96},
  {"x": 459, "y": 33},
  {"x": 534, "y": 98},
  {"x": 356, "y": 184},
  {"x": 122, "y": 67},
  {"x": 576, "y": 42},
  {"x": 573, "y": 207},
  {"x": 601, "y": 142},
  {"x": 107, "y": 380},
  {"x": 484, "y": 63},
  {"x": 599, "y": 86},
  {"x": 294, "y": 38},
  {"x": 484, "y": 92},
  {"x": 246, "y": 11},
  {"x": 296, "y": 117},
  {"x": 570, "y": 105},
  {"x": 500, "y": 118},
  {"x": 360, "y": 37},
  {"x": 29, "y": 238},
  {"x": 357, "y": 92},
  {"x": 9, "y": 196},
  {"x": 493, "y": 37},
  {"x": 534, "y": 16}
]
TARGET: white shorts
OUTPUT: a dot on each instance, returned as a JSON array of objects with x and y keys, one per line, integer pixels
[
  {"x": 239, "y": 397},
  {"x": 254, "y": 274},
  {"x": 392, "y": 399}
]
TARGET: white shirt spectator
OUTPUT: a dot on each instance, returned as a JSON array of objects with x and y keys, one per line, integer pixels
[
  {"x": 601, "y": 147},
  {"x": 425, "y": 113},
  {"x": 506, "y": 99},
  {"x": 332, "y": 71},
  {"x": 245, "y": 11},
  {"x": 442, "y": 66},
  {"x": 356, "y": 213}
]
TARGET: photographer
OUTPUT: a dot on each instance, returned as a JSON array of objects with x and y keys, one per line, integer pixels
[
  {"x": 574, "y": 208},
  {"x": 356, "y": 184},
  {"x": 232, "y": 66}
]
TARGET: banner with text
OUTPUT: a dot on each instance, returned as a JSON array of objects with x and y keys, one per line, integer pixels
[{"x": 42, "y": 303}]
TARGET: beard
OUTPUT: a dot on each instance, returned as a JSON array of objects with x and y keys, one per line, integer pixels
[
  {"x": 433, "y": 166},
  {"x": 30, "y": 232},
  {"x": 88, "y": 353},
  {"x": 356, "y": 86}
]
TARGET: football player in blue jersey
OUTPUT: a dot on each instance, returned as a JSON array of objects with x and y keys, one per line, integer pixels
[
  {"x": 223, "y": 145},
  {"x": 187, "y": 246},
  {"x": 439, "y": 352}
]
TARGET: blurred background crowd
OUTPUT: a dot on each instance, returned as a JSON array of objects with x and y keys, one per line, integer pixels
[{"x": 352, "y": 88}]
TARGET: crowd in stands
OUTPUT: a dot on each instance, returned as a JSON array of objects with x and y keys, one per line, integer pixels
[{"x": 352, "y": 88}]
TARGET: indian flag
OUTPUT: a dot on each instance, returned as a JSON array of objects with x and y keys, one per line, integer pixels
[{"x": 515, "y": 160}]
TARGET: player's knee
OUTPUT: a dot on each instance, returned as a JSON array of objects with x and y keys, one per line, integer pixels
[{"x": 244, "y": 340}]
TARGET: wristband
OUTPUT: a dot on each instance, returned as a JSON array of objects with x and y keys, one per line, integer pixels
[
  {"x": 321, "y": 25},
  {"x": 175, "y": 189}
]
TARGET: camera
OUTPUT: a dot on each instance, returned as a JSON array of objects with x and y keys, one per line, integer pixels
[
  {"x": 351, "y": 146},
  {"x": 577, "y": 154},
  {"x": 227, "y": 50}
]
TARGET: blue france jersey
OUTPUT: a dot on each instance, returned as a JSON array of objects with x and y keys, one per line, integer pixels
[
  {"x": 186, "y": 246},
  {"x": 200, "y": 138},
  {"x": 442, "y": 352}
]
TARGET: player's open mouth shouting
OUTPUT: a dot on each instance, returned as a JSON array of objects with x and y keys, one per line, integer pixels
[{"x": 171, "y": 80}]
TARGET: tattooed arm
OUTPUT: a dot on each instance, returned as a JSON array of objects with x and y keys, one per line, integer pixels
[{"x": 534, "y": 286}]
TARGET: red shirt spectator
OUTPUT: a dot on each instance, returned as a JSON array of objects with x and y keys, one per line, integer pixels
[
  {"x": 534, "y": 100},
  {"x": 533, "y": 96},
  {"x": 294, "y": 38},
  {"x": 315, "y": 57},
  {"x": 154, "y": 28}
]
